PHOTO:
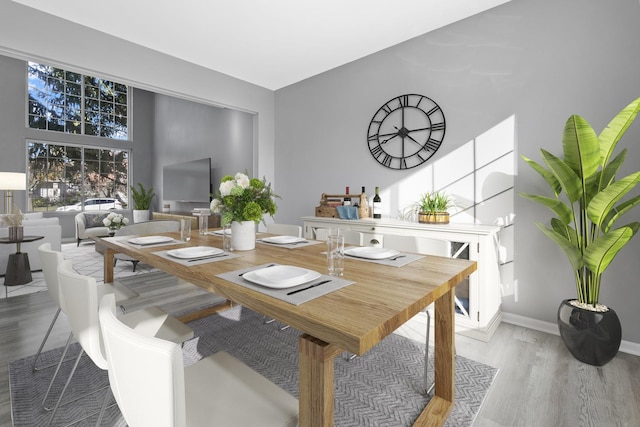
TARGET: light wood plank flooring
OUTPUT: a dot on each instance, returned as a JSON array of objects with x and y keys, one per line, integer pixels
[{"x": 539, "y": 383}]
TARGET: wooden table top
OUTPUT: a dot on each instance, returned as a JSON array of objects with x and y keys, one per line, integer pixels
[{"x": 354, "y": 318}]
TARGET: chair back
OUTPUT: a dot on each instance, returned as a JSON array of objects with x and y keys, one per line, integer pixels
[
  {"x": 350, "y": 237},
  {"x": 149, "y": 227},
  {"x": 80, "y": 296},
  {"x": 285, "y": 229},
  {"x": 50, "y": 260},
  {"x": 146, "y": 374},
  {"x": 420, "y": 245}
]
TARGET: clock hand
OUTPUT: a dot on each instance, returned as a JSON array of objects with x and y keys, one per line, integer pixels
[{"x": 388, "y": 139}]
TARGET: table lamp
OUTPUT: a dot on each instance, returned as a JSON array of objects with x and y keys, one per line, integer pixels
[{"x": 10, "y": 181}]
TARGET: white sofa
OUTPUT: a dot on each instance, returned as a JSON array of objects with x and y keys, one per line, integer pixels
[{"x": 34, "y": 225}]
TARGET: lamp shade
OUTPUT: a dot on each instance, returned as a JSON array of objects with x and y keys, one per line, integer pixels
[{"x": 13, "y": 181}]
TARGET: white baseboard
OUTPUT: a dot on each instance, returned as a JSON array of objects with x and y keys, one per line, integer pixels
[{"x": 552, "y": 328}]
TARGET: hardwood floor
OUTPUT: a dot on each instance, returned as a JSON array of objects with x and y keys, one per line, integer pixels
[{"x": 539, "y": 383}]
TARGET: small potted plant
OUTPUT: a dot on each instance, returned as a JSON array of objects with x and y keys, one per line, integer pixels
[
  {"x": 141, "y": 202},
  {"x": 433, "y": 208}
]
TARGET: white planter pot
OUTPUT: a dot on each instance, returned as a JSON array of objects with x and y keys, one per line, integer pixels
[
  {"x": 243, "y": 235},
  {"x": 140, "y": 216}
]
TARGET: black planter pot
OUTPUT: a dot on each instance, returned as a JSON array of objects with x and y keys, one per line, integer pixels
[{"x": 591, "y": 337}]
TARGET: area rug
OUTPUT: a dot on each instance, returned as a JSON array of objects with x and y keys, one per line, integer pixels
[{"x": 381, "y": 388}]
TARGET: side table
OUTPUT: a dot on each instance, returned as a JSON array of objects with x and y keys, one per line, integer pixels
[{"x": 18, "y": 268}]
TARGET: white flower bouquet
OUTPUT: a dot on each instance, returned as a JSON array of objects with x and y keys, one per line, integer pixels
[{"x": 115, "y": 221}]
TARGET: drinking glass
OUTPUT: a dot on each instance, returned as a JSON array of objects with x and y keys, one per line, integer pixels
[
  {"x": 226, "y": 238},
  {"x": 185, "y": 229},
  {"x": 335, "y": 254}
]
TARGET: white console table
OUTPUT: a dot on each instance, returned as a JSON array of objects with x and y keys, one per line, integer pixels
[{"x": 470, "y": 241}]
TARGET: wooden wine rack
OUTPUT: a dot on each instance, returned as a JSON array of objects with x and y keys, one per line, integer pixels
[{"x": 326, "y": 210}]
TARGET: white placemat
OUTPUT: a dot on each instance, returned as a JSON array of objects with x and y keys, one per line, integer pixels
[
  {"x": 331, "y": 284},
  {"x": 293, "y": 245},
  {"x": 395, "y": 261},
  {"x": 191, "y": 262}
]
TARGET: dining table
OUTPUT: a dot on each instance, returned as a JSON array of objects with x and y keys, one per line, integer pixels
[{"x": 353, "y": 318}]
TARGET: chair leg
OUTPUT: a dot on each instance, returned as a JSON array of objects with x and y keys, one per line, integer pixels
[
  {"x": 73, "y": 370},
  {"x": 55, "y": 374},
  {"x": 46, "y": 337},
  {"x": 78, "y": 244},
  {"x": 104, "y": 407},
  {"x": 135, "y": 264}
]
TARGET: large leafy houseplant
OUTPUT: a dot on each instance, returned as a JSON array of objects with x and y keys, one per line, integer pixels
[{"x": 585, "y": 224}]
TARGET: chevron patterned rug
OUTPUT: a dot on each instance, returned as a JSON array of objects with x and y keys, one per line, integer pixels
[{"x": 381, "y": 388}]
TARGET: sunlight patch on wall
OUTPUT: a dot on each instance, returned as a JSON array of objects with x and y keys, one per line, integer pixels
[{"x": 480, "y": 177}]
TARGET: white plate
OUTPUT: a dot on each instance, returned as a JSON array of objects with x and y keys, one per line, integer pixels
[
  {"x": 281, "y": 276},
  {"x": 150, "y": 240},
  {"x": 219, "y": 232},
  {"x": 369, "y": 252},
  {"x": 283, "y": 240},
  {"x": 194, "y": 252}
]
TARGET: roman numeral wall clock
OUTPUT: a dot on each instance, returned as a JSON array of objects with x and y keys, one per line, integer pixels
[{"x": 406, "y": 131}]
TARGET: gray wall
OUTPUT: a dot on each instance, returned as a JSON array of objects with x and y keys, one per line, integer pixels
[
  {"x": 185, "y": 131},
  {"x": 539, "y": 61}
]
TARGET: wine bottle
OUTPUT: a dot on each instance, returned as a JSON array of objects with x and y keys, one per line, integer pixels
[
  {"x": 347, "y": 200},
  {"x": 377, "y": 205}
]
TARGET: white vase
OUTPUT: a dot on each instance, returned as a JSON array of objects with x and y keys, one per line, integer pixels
[
  {"x": 243, "y": 235},
  {"x": 140, "y": 216}
]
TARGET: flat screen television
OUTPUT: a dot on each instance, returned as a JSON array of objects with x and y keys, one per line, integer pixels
[{"x": 187, "y": 182}]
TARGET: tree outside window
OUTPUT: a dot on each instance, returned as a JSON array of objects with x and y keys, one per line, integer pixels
[{"x": 61, "y": 176}]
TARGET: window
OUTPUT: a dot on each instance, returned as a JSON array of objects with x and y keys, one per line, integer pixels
[
  {"x": 75, "y": 178},
  {"x": 64, "y": 101}
]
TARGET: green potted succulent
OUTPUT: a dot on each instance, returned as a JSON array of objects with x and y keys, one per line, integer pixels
[
  {"x": 142, "y": 198},
  {"x": 587, "y": 201},
  {"x": 433, "y": 208}
]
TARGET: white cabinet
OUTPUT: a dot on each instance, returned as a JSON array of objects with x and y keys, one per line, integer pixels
[{"x": 479, "y": 294}]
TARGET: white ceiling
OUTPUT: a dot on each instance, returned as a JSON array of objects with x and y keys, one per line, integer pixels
[{"x": 271, "y": 43}]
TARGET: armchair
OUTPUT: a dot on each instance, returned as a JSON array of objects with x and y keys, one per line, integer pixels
[{"x": 86, "y": 227}]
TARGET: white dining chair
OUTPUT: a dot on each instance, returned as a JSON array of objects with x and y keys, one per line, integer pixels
[
  {"x": 49, "y": 260},
  {"x": 142, "y": 228},
  {"x": 80, "y": 300},
  {"x": 153, "y": 387},
  {"x": 285, "y": 230},
  {"x": 424, "y": 246},
  {"x": 351, "y": 237}
]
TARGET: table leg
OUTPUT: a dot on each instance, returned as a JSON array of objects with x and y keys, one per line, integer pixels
[
  {"x": 315, "y": 366},
  {"x": 18, "y": 270},
  {"x": 441, "y": 404},
  {"x": 108, "y": 265}
]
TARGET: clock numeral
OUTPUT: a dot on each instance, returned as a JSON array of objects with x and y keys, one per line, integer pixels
[
  {"x": 373, "y": 137},
  {"x": 432, "y": 145},
  {"x": 376, "y": 151},
  {"x": 386, "y": 108},
  {"x": 437, "y": 126},
  {"x": 403, "y": 100},
  {"x": 433, "y": 110},
  {"x": 403, "y": 163},
  {"x": 387, "y": 160}
]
